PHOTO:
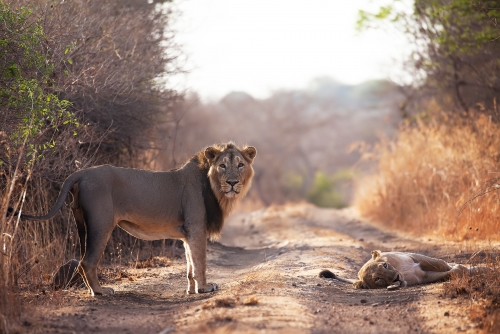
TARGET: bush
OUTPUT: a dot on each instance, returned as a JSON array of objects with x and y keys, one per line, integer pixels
[
  {"x": 430, "y": 171},
  {"x": 80, "y": 83},
  {"x": 325, "y": 193}
]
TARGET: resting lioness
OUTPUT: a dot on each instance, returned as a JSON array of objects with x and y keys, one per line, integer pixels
[
  {"x": 397, "y": 269},
  {"x": 189, "y": 203}
]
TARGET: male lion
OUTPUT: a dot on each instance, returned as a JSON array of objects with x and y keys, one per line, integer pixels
[
  {"x": 189, "y": 203},
  {"x": 397, "y": 269}
]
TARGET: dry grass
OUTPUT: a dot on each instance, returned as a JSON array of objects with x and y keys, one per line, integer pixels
[
  {"x": 251, "y": 301},
  {"x": 431, "y": 172},
  {"x": 153, "y": 262},
  {"x": 230, "y": 302},
  {"x": 10, "y": 310},
  {"x": 220, "y": 302},
  {"x": 482, "y": 290}
]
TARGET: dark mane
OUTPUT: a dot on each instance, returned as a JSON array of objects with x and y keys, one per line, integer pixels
[
  {"x": 215, "y": 217},
  {"x": 217, "y": 206}
]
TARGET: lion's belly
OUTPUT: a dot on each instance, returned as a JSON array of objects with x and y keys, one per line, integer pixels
[
  {"x": 146, "y": 230},
  {"x": 413, "y": 274}
]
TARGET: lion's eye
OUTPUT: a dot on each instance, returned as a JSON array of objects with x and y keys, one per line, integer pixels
[
  {"x": 241, "y": 164},
  {"x": 222, "y": 166},
  {"x": 385, "y": 265}
]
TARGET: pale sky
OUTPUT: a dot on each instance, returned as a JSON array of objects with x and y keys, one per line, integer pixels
[{"x": 260, "y": 46}]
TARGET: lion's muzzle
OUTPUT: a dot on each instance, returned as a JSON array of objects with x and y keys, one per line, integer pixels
[
  {"x": 399, "y": 281},
  {"x": 233, "y": 188}
]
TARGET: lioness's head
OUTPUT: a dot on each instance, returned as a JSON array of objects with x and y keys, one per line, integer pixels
[
  {"x": 230, "y": 170},
  {"x": 377, "y": 273}
]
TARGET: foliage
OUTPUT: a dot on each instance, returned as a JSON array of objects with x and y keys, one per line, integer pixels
[
  {"x": 34, "y": 114},
  {"x": 25, "y": 85},
  {"x": 296, "y": 132},
  {"x": 483, "y": 288},
  {"x": 456, "y": 50},
  {"x": 80, "y": 83},
  {"x": 430, "y": 171},
  {"x": 324, "y": 191}
]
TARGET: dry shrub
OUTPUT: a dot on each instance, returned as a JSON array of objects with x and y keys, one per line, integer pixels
[
  {"x": 483, "y": 289},
  {"x": 124, "y": 275},
  {"x": 86, "y": 84},
  {"x": 430, "y": 171},
  {"x": 251, "y": 301},
  {"x": 10, "y": 310},
  {"x": 221, "y": 302},
  {"x": 153, "y": 262}
]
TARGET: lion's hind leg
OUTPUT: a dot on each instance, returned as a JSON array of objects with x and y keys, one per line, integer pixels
[
  {"x": 99, "y": 225},
  {"x": 438, "y": 276}
]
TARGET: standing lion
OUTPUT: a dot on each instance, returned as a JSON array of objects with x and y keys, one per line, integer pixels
[{"x": 189, "y": 203}]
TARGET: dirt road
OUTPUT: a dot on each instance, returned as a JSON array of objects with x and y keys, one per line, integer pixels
[{"x": 267, "y": 266}]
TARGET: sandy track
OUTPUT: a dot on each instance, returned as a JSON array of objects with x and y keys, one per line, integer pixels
[{"x": 267, "y": 266}]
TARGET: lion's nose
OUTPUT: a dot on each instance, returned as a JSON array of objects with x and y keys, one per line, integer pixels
[{"x": 232, "y": 183}]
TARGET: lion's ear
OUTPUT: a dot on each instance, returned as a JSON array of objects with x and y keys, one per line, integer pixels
[
  {"x": 358, "y": 285},
  {"x": 376, "y": 254},
  {"x": 250, "y": 152},
  {"x": 211, "y": 153}
]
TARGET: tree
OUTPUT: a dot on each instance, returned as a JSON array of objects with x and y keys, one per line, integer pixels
[
  {"x": 456, "y": 51},
  {"x": 81, "y": 82}
]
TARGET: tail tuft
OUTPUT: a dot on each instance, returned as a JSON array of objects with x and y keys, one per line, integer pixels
[{"x": 327, "y": 274}]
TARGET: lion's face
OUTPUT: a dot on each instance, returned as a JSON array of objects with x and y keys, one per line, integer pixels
[
  {"x": 375, "y": 275},
  {"x": 231, "y": 170},
  {"x": 378, "y": 273}
]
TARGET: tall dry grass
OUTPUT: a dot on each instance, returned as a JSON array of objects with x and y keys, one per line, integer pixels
[
  {"x": 440, "y": 176},
  {"x": 482, "y": 289}
]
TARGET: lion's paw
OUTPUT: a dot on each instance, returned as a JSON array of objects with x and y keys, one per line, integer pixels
[
  {"x": 459, "y": 269},
  {"x": 210, "y": 287},
  {"x": 104, "y": 292}
]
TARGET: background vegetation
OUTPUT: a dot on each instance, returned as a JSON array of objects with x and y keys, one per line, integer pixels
[
  {"x": 439, "y": 176},
  {"x": 455, "y": 55},
  {"x": 303, "y": 137},
  {"x": 445, "y": 152},
  {"x": 81, "y": 83},
  {"x": 432, "y": 171}
]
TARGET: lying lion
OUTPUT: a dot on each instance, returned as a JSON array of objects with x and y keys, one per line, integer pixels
[
  {"x": 397, "y": 269},
  {"x": 189, "y": 203}
]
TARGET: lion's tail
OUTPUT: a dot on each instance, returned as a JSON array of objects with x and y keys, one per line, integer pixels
[
  {"x": 328, "y": 274},
  {"x": 66, "y": 187}
]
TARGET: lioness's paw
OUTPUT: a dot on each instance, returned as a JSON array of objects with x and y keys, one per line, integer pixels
[
  {"x": 393, "y": 287},
  {"x": 210, "y": 287},
  {"x": 459, "y": 269}
]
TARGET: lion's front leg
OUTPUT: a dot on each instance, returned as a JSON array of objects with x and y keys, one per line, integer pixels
[
  {"x": 191, "y": 288},
  {"x": 196, "y": 257}
]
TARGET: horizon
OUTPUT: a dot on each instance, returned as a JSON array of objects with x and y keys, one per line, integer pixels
[
  {"x": 290, "y": 47},
  {"x": 308, "y": 87}
]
